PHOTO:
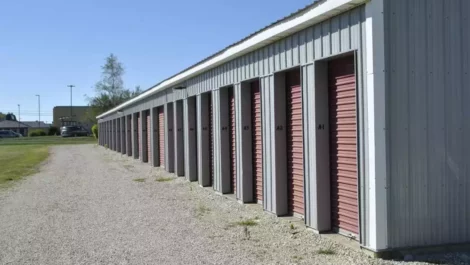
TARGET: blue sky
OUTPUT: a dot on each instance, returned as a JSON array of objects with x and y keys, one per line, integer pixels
[{"x": 47, "y": 45}]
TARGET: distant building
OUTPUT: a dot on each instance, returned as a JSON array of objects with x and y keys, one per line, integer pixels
[
  {"x": 24, "y": 127},
  {"x": 15, "y": 126},
  {"x": 76, "y": 115}
]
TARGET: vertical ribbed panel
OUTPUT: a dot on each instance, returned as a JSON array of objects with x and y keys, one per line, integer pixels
[
  {"x": 244, "y": 154},
  {"x": 154, "y": 137},
  {"x": 139, "y": 136},
  {"x": 427, "y": 82},
  {"x": 273, "y": 118},
  {"x": 161, "y": 135},
  {"x": 316, "y": 146},
  {"x": 221, "y": 140},
  {"x": 203, "y": 139},
  {"x": 129, "y": 135},
  {"x": 113, "y": 135},
  {"x": 190, "y": 139},
  {"x": 267, "y": 128},
  {"x": 118, "y": 134},
  {"x": 123, "y": 135},
  {"x": 179, "y": 137},
  {"x": 135, "y": 136},
  {"x": 215, "y": 100},
  {"x": 149, "y": 138},
  {"x": 169, "y": 138}
]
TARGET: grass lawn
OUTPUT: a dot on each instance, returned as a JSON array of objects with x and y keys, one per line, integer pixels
[{"x": 20, "y": 157}]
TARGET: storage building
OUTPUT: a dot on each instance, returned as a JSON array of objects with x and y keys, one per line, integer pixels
[{"x": 350, "y": 114}]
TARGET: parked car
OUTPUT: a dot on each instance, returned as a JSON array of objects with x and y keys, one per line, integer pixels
[
  {"x": 9, "y": 134},
  {"x": 72, "y": 131}
]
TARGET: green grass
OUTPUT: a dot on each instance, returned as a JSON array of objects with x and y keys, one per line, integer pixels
[
  {"x": 19, "y": 161},
  {"x": 20, "y": 157},
  {"x": 47, "y": 140}
]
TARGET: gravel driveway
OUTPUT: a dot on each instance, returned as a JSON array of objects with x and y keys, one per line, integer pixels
[{"x": 93, "y": 206}]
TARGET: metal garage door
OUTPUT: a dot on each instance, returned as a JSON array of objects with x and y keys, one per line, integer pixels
[
  {"x": 295, "y": 168},
  {"x": 211, "y": 140},
  {"x": 161, "y": 135},
  {"x": 343, "y": 160},
  {"x": 149, "y": 134},
  {"x": 139, "y": 141},
  {"x": 257, "y": 146},
  {"x": 233, "y": 154}
]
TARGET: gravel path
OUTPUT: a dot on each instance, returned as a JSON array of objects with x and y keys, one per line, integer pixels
[{"x": 93, "y": 206}]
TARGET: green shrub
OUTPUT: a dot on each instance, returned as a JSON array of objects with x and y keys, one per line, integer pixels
[
  {"x": 35, "y": 133},
  {"x": 94, "y": 129},
  {"x": 53, "y": 130}
]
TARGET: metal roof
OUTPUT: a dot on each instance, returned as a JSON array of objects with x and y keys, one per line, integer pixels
[{"x": 12, "y": 124}]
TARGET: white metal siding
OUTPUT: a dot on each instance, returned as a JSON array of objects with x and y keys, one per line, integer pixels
[{"x": 427, "y": 62}]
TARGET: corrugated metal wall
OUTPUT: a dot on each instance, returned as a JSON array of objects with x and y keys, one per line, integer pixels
[
  {"x": 333, "y": 36},
  {"x": 427, "y": 62}
]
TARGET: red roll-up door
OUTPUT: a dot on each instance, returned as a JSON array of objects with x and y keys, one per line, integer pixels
[
  {"x": 211, "y": 140},
  {"x": 295, "y": 159},
  {"x": 139, "y": 137},
  {"x": 257, "y": 141},
  {"x": 149, "y": 135},
  {"x": 343, "y": 155},
  {"x": 233, "y": 153},
  {"x": 161, "y": 134}
]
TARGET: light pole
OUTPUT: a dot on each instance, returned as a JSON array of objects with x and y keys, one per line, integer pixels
[
  {"x": 39, "y": 107},
  {"x": 19, "y": 118},
  {"x": 71, "y": 86}
]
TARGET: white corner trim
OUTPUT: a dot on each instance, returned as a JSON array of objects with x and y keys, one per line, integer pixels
[
  {"x": 315, "y": 15},
  {"x": 377, "y": 231}
]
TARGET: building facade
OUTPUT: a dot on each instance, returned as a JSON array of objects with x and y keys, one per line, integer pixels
[{"x": 348, "y": 113}]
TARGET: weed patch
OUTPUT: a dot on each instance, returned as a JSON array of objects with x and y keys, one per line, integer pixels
[
  {"x": 202, "y": 210},
  {"x": 247, "y": 222},
  {"x": 326, "y": 251},
  {"x": 164, "y": 179},
  {"x": 139, "y": 180}
]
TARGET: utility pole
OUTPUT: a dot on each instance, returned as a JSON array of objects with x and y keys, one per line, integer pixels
[
  {"x": 19, "y": 118},
  {"x": 71, "y": 86},
  {"x": 39, "y": 107}
]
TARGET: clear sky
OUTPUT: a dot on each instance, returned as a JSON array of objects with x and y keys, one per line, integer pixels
[{"x": 49, "y": 44}]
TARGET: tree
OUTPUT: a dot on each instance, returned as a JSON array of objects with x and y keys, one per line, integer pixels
[
  {"x": 10, "y": 117},
  {"x": 2, "y": 116},
  {"x": 110, "y": 90}
]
